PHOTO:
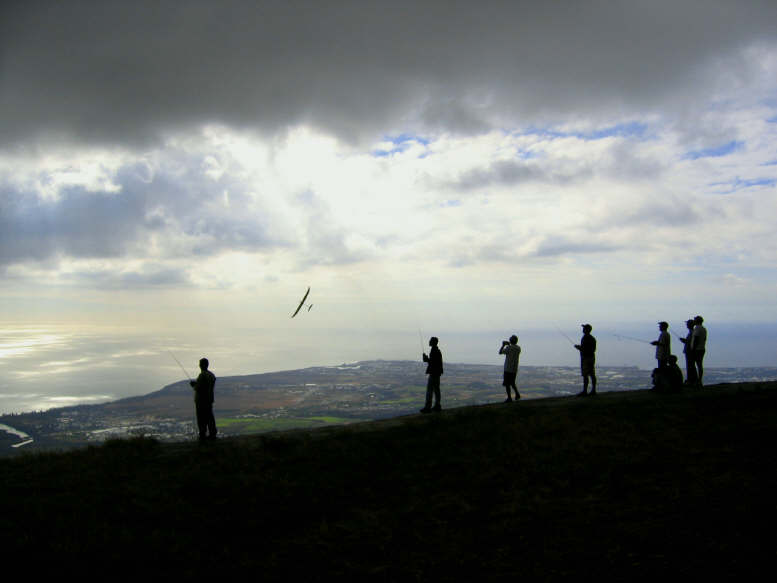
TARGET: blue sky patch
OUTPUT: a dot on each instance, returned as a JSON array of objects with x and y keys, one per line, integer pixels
[
  {"x": 632, "y": 129},
  {"x": 717, "y": 152},
  {"x": 740, "y": 184},
  {"x": 401, "y": 143}
]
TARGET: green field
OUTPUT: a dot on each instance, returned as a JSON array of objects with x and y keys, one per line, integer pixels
[{"x": 236, "y": 426}]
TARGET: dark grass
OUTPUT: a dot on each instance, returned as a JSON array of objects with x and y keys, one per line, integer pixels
[{"x": 623, "y": 486}]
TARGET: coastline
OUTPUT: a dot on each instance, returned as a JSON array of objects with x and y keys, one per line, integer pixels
[{"x": 21, "y": 434}]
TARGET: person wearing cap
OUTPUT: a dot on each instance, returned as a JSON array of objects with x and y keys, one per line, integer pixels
[
  {"x": 434, "y": 370},
  {"x": 663, "y": 344},
  {"x": 587, "y": 348},
  {"x": 690, "y": 366},
  {"x": 699, "y": 347},
  {"x": 203, "y": 401},
  {"x": 512, "y": 351}
]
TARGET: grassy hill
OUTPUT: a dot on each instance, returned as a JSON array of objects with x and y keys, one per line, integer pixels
[{"x": 628, "y": 484}]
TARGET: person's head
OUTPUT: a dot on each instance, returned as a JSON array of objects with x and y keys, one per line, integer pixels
[
  {"x": 204, "y": 364},
  {"x": 513, "y": 339},
  {"x": 689, "y": 324},
  {"x": 698, "y": 320},
  {"x": 587, "y": 328},
  {"x": 433, "y": 341},
  {"x": 663, "y": 326},
  {"x": 672, "y": 359}
]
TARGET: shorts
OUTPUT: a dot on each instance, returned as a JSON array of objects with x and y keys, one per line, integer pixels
[
  {"x": 588, "y": 366},
  {"x": 509, "y": 379}
]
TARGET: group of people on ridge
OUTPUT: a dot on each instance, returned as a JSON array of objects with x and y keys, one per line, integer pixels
[{"x": 667, "y": 376}]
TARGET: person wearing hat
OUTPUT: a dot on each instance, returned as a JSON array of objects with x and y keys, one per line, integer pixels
[
  {"x": 699, "y": 346},
  {"x": 512, "y": 351},
  {"x": 587, "y": 348},
  {"x": 663, "y": 345},
  {"x": 434, "y": 370}
]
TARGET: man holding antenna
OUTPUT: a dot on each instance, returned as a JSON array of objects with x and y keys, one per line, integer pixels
[
  {"x": 434, "y": 370},
  {"x": 587, "y": 348},
  {"x": 203, "y": 401}
]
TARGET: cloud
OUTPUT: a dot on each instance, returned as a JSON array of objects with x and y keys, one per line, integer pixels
[
  {"x": 504, "y": 173},
  {"x": 147, "y": 276},
  {"x": 560, "y": 246},
  {"x": 167, "y": 207},
  {"x": 110, "y": 72}
]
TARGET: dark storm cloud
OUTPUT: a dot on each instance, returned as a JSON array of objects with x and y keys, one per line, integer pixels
[
  {"x": 179, "y": 209},
  {"x": 126, "y": 72}
]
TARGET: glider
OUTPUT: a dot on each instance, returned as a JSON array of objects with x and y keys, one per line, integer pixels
[{"x": 302, "y": 303}]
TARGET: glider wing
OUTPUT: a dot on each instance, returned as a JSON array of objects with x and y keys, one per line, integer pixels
[{"x": 301, "y": 303}]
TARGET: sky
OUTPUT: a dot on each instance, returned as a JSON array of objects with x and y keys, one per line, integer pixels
[{"x": 186, "y": 170}]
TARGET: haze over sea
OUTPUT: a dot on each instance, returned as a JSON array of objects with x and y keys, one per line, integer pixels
[{"x": 57, "y": 365}]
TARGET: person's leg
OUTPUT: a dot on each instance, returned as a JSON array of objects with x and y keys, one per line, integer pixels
[
  {"x": 436, "y": 387},
  {"x": 428, "y": 402},
  {"x": 202, "y": 419},
  {"x": 699, "y": 358},
  {"x": 690, "y": 368},
  {"x": 211, "y": 423}
]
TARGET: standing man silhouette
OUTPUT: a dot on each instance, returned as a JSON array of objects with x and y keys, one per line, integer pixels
[
  {"x": 690, "y": 365},
  {"x": 434, "y": 370},
  {"x": 512, "y": 351},
  {"x": 663, "y": 344},
  {"x": 587, "y": 348},
  {"x": 699, "y": 347},
  {"x": 203, "y": 401}
]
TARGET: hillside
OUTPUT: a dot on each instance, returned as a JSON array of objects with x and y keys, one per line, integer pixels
[{"x": 629, "y": 484}]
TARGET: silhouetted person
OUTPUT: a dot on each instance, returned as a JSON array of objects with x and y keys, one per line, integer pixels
[
  {"x": 699, "y": 347},
  {"x": 512, "y": 351},
  {"x": 587, "y": 348},
  {"x": 690, "y": 367},
  {"x": 434, "y": 370},
  {"x": 203, "y": 401},
  {"x": 663, "y": 344},
  {"x": 669, "y": 378}
]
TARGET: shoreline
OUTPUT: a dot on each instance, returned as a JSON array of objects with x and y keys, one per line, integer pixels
[{"x": 17, "y": 433}]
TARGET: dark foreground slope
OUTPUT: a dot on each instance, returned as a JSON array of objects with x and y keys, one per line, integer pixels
[{"x": 624, "y": 485}]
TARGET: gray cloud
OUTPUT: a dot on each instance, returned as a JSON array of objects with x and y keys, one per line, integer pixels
[
  {"x": 670, "y": 211},
  {"x": 510, "y": 173},
  {"x": 119, "y": 72},
  {"x": 174, "y": 207},
  {"x": 149, "y": 276},
  {"x": 556, "y": 246}
]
